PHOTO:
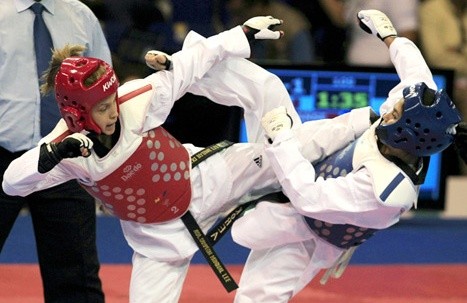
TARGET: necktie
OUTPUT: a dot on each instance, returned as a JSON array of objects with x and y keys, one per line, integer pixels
[{"x": 43, "y": 48}]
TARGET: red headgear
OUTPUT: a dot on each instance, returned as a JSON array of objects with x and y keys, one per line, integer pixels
[{"x": 74, "y": 99}]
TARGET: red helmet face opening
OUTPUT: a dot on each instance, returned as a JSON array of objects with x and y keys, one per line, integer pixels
[{"x": 75, "y": 99}]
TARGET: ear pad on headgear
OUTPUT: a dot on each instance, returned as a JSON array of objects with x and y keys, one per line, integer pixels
[{"x": 73, "y": 118}]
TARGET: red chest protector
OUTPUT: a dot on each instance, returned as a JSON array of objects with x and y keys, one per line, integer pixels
[{"x": 152, "y": 185}]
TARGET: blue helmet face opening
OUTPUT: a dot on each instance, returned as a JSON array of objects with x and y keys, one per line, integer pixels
[{"x": 422, "y": 129}]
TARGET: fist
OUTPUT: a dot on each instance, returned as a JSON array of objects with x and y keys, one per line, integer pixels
[
  {"x": 377, "y": 23},
  {"x": 276, "y": 121},
  {"x": 262, "y": 28},
  {"x": 158, "y": 60},
  {"x": 74, "y": 146}
]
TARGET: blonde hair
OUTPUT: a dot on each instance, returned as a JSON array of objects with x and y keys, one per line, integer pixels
[{"x": 58, "y": 55}]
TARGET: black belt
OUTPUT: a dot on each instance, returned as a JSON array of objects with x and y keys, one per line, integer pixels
[
  {"x": 196, "y": 232},
  {"x": 205, "y": 243},
  {"x": 209, "y": 253}
]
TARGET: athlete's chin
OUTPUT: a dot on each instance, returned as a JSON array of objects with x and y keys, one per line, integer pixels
[{"x": 109, "y": 130}]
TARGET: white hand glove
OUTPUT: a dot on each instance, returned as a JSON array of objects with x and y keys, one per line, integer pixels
[
  {"x": 261, "y": 28},
  {"x": 377, "y": 23},
  {"x": 275, "y": 121},
  {"x": 158, "y": 60}
]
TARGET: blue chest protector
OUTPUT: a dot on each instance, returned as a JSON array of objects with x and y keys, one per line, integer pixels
[{"x": 341, "y": 235}]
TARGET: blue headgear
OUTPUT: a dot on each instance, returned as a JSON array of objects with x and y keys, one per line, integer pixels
[{"x": 422, "y": 130}]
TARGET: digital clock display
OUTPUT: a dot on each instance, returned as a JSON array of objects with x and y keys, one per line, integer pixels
[
  {"x": 335, "y": 92},
  {"x": 341, "y": 99}
]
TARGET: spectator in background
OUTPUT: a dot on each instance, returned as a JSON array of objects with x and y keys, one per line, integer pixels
[
  {"x": 362, "y": 49},
  {"x": 64, "y": 217},
  {"x": 206, "y": 17},
  {"x": 443, "y": 40},
  {"x": 295, "y": 47},
  {"x": 327, "y": 28},
  {"x": 132, "y": 28},
  {"x": 122, "y": 16}
]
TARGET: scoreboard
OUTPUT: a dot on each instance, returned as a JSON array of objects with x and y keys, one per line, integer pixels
[{"x": 320, "y": 92}]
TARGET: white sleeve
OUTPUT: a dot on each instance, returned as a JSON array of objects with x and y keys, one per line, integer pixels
[
  {"x": 22, "y": 177},
  {"x": 197, "y": 57},
  {"x": 321, "y": 138},
  {"x": 411, "y": 68},
  {"x": 343, "y": 200}
]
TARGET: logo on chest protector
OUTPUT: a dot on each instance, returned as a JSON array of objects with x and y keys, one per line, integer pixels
[{"x": 130, "y": 170}]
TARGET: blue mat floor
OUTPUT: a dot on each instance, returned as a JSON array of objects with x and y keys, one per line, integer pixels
[{"x": 418, "y": 240}]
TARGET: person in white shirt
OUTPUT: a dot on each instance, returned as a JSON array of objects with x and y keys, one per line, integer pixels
[
  {"x": 63, "y": 216},
  {"x": 337, "y": 204}
]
